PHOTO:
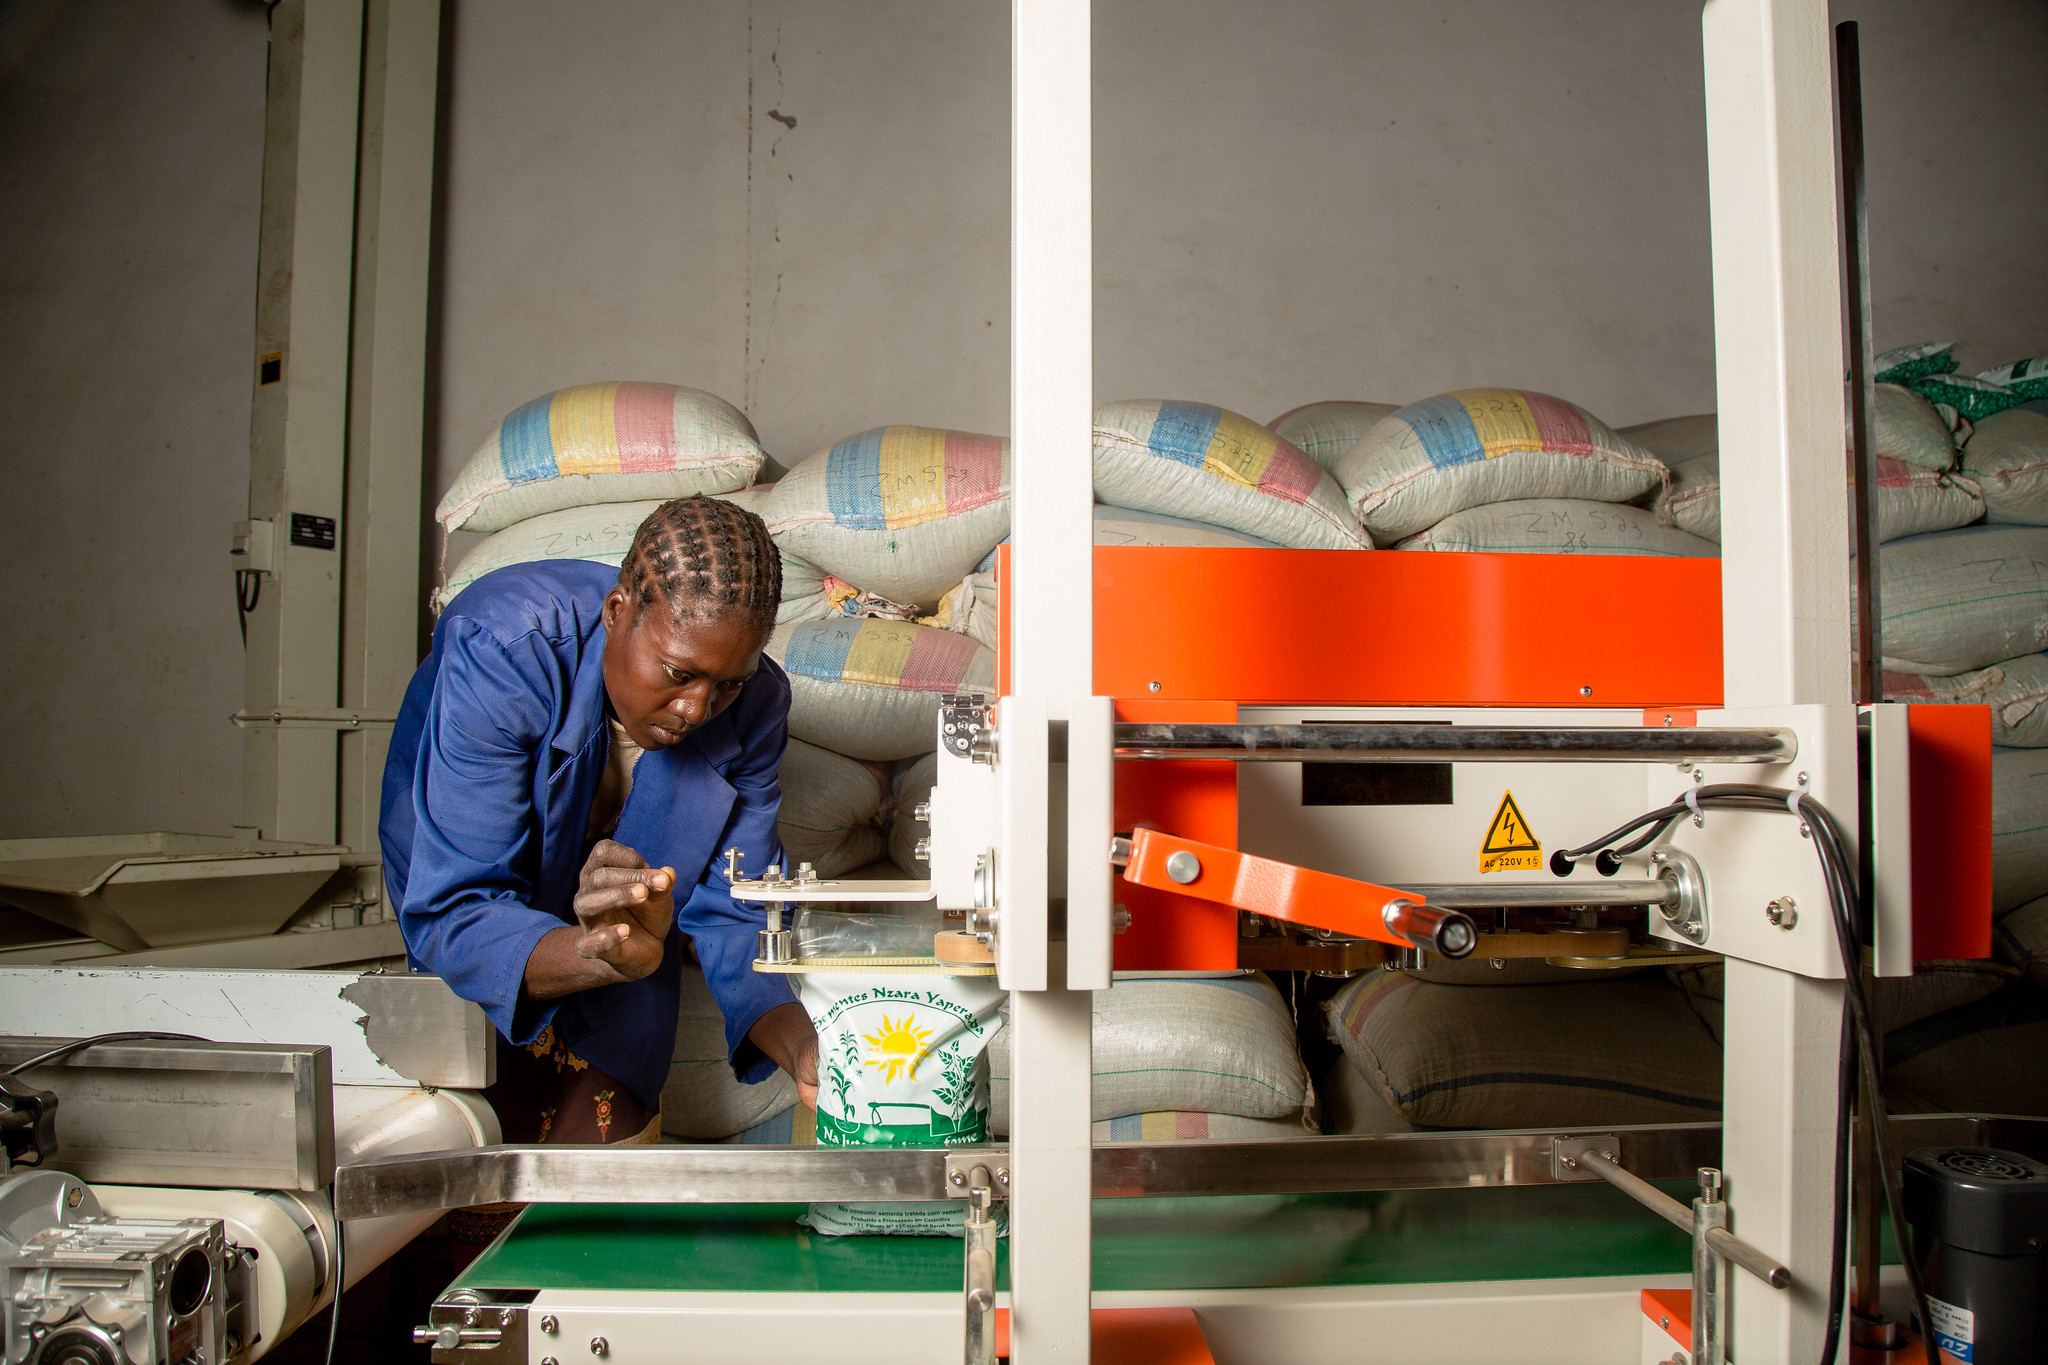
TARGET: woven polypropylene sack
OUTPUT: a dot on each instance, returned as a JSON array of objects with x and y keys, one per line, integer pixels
[
  {"x": 913, "y": 785},
  {"x": 831, "y": 810},
  {"x": 1477, "y": 446},
  {"x": 1690, "y": 449},
  {"x": 594, "y": 443},
  {"x": 1211, "y": 465},
  {"x": 905, "y": 512},
  {"x": 2027, "y": 378},
  {"x": 1980, "y": 1059},
  {"x": 1129, "y": 526},
  {"x": 600, "y": 532},
  {"x": 1908, "y": 428},
  {"x": 1913, "y": 500},
  {"x": 1185, "y": 1127},
  {"x": 2019, "y": 827},
  {"x": 2016, "y": 691},
  {"x": 1324, "y": 431},
  {"x": 871, "y": 688},
  {"x": 1454, "y": 1057},
  {"x": 1975, "y": 399},
  {"x": 1211, "y": 1045},
  {"x": 1561, "y": 526},
  {"x": 1921, "y": 358},
  {"x": 2008, "y": 457},
  {"x": 969, "y": 609},
  {"x": 1960, "y": 600},
  {"x": 703, "y": 1101},
  {"x": 2020, "y": 938}
]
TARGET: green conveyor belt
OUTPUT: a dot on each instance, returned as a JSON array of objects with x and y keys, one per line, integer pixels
[{"x": 1399, "y": 1237}]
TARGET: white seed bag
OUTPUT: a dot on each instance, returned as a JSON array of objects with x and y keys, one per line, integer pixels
[{"x": 900, "y": 1064}]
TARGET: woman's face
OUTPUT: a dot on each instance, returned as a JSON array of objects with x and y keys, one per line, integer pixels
[{"x": 668, "y": 673}]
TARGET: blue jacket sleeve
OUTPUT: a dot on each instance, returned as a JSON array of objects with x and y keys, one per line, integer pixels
[
  {"x": 468, "y": 914},
  {"x": 722, "y": 930}
]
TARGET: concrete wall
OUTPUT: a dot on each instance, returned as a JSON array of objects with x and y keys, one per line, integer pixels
[{"x": 803, "y": 205}]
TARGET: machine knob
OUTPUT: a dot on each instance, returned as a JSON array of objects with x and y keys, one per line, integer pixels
[
  {"x": 1449, "y": 933},
  {"x": 922, "y": 850},
  {"x": 922, "y": 812}
]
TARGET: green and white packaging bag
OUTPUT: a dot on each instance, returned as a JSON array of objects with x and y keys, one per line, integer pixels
[{"x": 900, "y": 1064}]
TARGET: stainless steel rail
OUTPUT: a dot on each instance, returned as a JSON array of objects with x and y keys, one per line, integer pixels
[
  {"x": 1725, "y": 1244},
  {"x": 740, "y": 1175},
  {"x": 1377, "y": 742},
  {"x": 1587, "y": 890}
]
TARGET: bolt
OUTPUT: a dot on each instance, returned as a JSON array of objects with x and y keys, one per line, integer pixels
[
  {"x": 73, "y": 1196},
  {"x": 471, "y": 1318},
  {"x": 956, "y": 1178},
  {"x": 549, "y": 1360},
  {"x": 505, "y": 1316},
  {"x": 1783, "y": 912},
  {"x": 1002, "y": 1175},
  {"x": 1155, "y": 687},
  {"x": 922, "y": 811},
  {"x": 599, "y": 1346},
  {"x": 1497, "y": 963},
  {"x": 1803, "y": 779},
  {"x": 1586, "y": 691},
  {"x": 549, "y": 1325},
  {"x": 1664, "y": 1321},
  {"x": 1183, "y": 866}
]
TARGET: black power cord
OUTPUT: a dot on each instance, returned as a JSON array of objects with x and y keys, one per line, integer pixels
[
  {"x": 1838, "y": 872},
  {"x": 58, "y": 1054},
  {"x": 334, "y": 1308},
  {"x": 248, "y": 592}
]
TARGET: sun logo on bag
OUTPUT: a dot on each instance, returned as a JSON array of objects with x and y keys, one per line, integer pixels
[{"x": 897, "y": 1047}]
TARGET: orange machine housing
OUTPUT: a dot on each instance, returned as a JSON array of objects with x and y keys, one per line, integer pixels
[{"x": 1191, "y": 634}]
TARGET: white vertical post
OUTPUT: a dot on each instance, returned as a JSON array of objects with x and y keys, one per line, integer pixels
[
  {"x": 1051, "y": 636},
  {"x": 298, "y": 420},
  {"x": 380, "y": 530},
  {"x": 1785, "y": 594}
]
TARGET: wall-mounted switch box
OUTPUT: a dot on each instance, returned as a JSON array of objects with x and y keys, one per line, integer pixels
[{"x": 253, "y": 547}]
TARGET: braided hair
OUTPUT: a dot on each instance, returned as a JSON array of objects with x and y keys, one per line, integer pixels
[{"x": 705, "y": 555}]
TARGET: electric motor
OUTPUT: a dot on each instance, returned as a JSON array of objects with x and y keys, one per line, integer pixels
[{"x": 1980, "y": 1233}]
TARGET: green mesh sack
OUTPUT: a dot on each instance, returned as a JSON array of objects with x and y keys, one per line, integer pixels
[
  {"x": 1975, "y": 399},
  {"x": 1906, "y": 363},
  {"x": 2027, "y": 378}
]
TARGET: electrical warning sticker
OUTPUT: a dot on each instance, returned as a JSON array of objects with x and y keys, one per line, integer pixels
[{"x": 1510, "y": 846}]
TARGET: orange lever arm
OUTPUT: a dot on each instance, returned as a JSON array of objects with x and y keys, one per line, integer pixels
[{"x": 1277, "y": 890}]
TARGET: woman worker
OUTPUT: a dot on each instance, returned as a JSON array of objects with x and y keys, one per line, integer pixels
[{"x": 571, "y": 761}]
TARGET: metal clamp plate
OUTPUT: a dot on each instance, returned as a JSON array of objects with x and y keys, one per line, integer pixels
[
  {"x": 962, "y": 716},
  {"x": 960, "y": 1170},
  {"x": 1565, "y": 1151}
]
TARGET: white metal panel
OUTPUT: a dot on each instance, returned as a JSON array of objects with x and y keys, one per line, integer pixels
[
  {"x": 1091, "y": 732},
  {"x": 963, "y": 826},
  {"x": 1891, "y": 838},
  {"x": 1785, "y": 586},
  {"x": 1051, "y": 629},
  {"x": 298, "y": 424},
  {"x": 650, "y": 1327},
  {"x": 1023, "y": 770}
]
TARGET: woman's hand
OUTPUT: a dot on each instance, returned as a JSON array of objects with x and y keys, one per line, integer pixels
[
  {"x": 786, "y": 1036},
  {"x": 624, "y": 910}
]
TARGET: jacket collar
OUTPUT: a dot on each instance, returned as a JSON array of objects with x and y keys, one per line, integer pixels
[{"x": 584, "y": 717}]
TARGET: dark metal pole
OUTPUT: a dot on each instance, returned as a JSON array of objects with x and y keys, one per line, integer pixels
[{"x": 1863, "y": 460}]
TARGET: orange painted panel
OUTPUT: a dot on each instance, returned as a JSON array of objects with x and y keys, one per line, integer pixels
[
  {"x": 1331, "y": 627},
  {"x": 1196, "y": 799},
  {"x": 1950, "y": 783},
  {"x": 1133, "y": 1336}
]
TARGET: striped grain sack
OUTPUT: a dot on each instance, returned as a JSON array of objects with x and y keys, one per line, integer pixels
[
  {"x": 1129, "y": 526},
  {"x": 603, "y": 533},
  {"x": 1961, "y": 600},
  {"x": 602, "y": 443},
  {"x": 1186, "y": 1127},
  {"x": 905, "y": 512},
  {"x": 2008, "y": 457},
  {"x": 1210, "y": 1045},
  {"x": 1324, "y": 431},
  {"x": 2020, "y": 938},
  {"x": 1478, "y": 446},
  {"x": 703, "y": 1101},
  {"x": 2016, "y": 691},
  {"x": 2019, "y": 827},
  {"x": 1561, "y": 526},
  {"x": 1454, "y": 1057},
  {"x": 832, "y": 809},
  {"x": 870, "y": 689},
  {"x": 1210, "y": 465}
]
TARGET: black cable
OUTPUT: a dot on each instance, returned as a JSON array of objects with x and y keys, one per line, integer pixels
[
  {"x": 334, "y": 1308},
  {"x": 1861, "y": 1048},
  {"x": 248, "y": 592},
  {"x": 58, "y": 1054}
]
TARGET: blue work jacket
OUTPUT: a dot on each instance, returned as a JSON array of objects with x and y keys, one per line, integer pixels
[{"x": 493, "y": 767}]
